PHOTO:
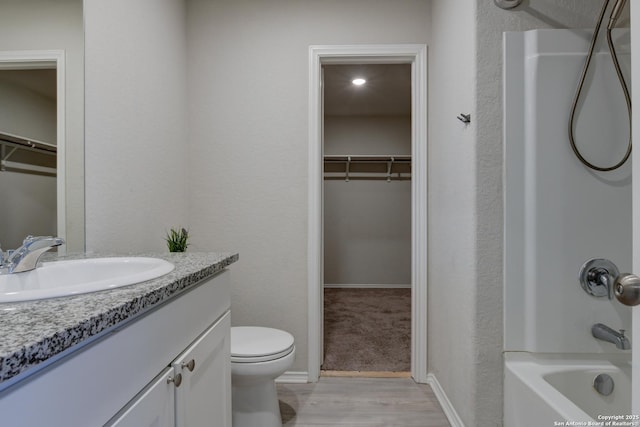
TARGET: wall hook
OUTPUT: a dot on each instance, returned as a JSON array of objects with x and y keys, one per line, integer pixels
[{"x": 464, "y": 118}]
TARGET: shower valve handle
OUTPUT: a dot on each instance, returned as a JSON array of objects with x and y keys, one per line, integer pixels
[{"x": 627, "y": 289}]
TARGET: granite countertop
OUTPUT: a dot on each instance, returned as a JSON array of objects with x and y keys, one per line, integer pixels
[{"x": 33, "y": 332}]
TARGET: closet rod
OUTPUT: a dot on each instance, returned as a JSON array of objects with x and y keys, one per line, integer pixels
[
  {"x": 367, "y": 167},
  {"x": 353, "y": 158},
  {"x": 367, "y": 178},
  {"x": 27, "y": 144}
]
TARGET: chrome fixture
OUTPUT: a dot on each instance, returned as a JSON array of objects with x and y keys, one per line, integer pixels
[
  {"x": 603, "y": 384},
  {"x": 597, "y": 277},
  {"x": 613, "y": 18},
  {"x": 605, "y": 333},
  {"x": 26, "y": 257},
  {"x": 627, "y": 289},
  {"x": 507, "y": 4}
]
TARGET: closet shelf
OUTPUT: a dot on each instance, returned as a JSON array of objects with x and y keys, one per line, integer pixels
[
  {"x": 367, "y": 167},
  {"x": 19, "y": 154}
]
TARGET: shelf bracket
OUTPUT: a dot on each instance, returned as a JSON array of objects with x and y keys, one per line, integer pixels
[
  {"x": 389, "y": 166},
  {"x": 346, "y": 169}
]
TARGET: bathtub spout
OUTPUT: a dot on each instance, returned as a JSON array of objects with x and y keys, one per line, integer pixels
[{"x": 605, "y": 333}]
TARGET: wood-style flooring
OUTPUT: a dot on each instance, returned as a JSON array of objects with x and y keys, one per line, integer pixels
[{"x": 371, "y": 402}]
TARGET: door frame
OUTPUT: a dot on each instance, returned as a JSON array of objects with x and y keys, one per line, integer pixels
[
  {"x": 416, "y": 55},
  {"x": 635, "y": 191}
]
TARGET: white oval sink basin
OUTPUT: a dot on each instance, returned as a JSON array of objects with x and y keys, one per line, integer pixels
[{"x": 70, "y": 277}]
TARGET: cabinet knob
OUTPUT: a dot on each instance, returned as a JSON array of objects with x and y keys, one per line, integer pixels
[
  {"x": 177, "y": 380},
  {"x": 190, "y": 365}
]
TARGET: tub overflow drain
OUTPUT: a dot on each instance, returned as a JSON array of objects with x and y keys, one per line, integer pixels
[{"x": 603, "y": 384}]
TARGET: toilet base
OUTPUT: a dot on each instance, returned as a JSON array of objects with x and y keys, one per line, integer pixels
[{"x": 256, "y": 405}]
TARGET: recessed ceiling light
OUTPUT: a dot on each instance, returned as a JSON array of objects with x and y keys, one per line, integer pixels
[{"x": 359, "y": 81}]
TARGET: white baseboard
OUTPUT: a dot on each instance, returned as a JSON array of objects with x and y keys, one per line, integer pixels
[
  {"x": 293, "y": 377},
  {"x": 368, "y": 285},
  {"x": 447, "y": 407}
]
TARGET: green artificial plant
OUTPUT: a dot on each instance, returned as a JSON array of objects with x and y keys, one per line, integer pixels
[{"x": 177, "y": 240}]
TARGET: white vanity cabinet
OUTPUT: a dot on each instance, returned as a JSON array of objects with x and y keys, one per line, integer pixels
[
  {"x": 121, "y": 378},
  {"x": 203, "y": 397},
  {"x": 194, "y": 391},
  {"x": 154, "y": 407}
]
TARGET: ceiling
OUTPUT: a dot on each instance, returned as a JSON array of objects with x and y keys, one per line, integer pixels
[
  {"x": 387, "y": 91},
  {"x": 40, "y": 81}
]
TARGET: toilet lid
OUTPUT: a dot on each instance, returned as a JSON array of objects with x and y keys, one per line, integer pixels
[{"x": 259, "y": 344}]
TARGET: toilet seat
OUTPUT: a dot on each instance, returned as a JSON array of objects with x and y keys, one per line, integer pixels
[{"x": 251, "y": 344}]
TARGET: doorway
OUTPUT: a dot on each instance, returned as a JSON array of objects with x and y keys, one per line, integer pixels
[
  {"x": 367, "y": 218},
  {"x": 415, "y": 56}
]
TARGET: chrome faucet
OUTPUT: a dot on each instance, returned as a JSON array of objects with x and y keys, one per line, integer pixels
[
  {"x": 26, "y": 257},
  {"x": 605, "y": 333}
]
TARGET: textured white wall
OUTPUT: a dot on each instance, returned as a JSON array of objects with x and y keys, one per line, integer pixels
[
  {"x": 248, "y": 108},
  {"x": 367, "y": 224},
  {"x": 43, "y": 25},
  {"x": 136, "y": 136},
  {"x": 452, "y": 187}
]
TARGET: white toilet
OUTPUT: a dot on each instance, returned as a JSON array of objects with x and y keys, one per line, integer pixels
[{"x": 258, "y": 356}]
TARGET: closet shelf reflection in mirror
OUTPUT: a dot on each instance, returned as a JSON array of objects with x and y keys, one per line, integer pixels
[{"x": 18, "y": 154}]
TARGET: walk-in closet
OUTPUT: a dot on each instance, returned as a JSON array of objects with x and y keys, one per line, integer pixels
[{"x": 367, "y": 217}]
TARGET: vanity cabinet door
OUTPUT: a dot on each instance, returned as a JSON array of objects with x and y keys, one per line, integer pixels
[
  {"x": 204, "y": 397},
  {"x": 153, "y": 407}
]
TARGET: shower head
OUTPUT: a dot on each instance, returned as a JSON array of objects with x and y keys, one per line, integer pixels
[{"x": 615, "y": 13}]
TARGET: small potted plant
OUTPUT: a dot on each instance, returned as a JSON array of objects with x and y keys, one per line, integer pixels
[{"x": 177, "y": 240}]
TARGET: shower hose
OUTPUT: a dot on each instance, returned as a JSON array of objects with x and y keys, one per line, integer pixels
[{"x": 615, "y": 14}]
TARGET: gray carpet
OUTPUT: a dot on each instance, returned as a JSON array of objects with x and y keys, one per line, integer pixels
[{"x": 367, "y": 329}]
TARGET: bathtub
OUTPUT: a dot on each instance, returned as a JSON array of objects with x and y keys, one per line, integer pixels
[{"x": 550, "y": 390}]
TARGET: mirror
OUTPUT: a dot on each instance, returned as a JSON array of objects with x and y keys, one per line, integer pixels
[
  {"x": 42, "y": 100},
  {"x": 28, "y": 153}
]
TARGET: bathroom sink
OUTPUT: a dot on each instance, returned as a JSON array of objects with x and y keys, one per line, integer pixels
[{"x": 70, "y": 277}]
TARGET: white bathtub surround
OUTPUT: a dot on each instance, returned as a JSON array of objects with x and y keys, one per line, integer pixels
[
  {"x": 541, "y": 389},
  {"x": 558, "y": 213},
  {"x": 558, "y": 216}
]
